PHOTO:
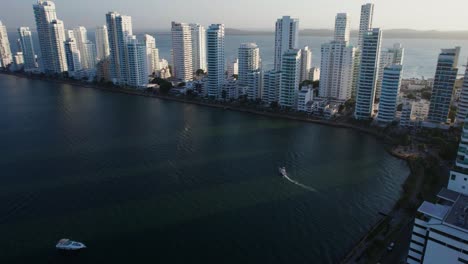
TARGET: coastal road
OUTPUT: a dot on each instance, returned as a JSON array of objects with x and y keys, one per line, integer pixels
[{"x": 402, "y": 241}]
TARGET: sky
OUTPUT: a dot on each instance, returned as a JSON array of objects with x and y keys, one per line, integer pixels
[{"x": 246, "y": 14}]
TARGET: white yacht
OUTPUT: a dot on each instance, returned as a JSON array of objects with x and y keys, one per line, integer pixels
[
  {"x": 282, "y": 171},
  {"x": 67, "y": 244}
]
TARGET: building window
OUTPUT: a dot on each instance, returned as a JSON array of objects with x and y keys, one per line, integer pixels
[{"x": 454, "y": 177}]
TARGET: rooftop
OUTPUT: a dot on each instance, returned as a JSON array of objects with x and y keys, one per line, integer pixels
[
  {"x": 459, "y": 212},
  {"x": 448, "y": 195}
]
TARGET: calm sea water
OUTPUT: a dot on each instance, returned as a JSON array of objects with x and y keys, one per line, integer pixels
[
  {"x": 141, "y": 180},
  {"x": 420, "y": 54}
]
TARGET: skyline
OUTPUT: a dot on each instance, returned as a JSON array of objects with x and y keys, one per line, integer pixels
[{"x": 238, "y": 14}]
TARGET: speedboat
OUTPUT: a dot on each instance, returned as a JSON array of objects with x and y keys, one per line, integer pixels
[
  {"x": 67, "y": 244},
  {"x": 282, "y": 171}
]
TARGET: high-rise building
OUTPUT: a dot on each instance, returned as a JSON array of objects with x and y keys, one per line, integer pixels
[
  {"x": 90, "y": 55},
  {"x": 314, "y": 74},
  {"x": 51, "y": 37},
  {"x": 390, "y": 90},
  {"x": 102, "y": 43},
  {"x": 73, "y": 55},
  {"x": 254, "y": 85},
  {"x": 182, "y": 51},
  {"x": 233, "y": 68},
  {"x": 306, "y": 63},
  {"x": 462, "y": 112},
  {"x": 137, "y": 64},
  {"x": 81, "y": 38},
  {"x": 286, "y": 38},
  {"x": 6, "y": 57},
  {"x": 271, "y": 86},
  {"x": 27, "y": 47},
  {"x": 290, "y": 74},
  {"x": 152, "y": 54},
  {"x": 18, "y": 61},
  {"x": 388, "y": 57},
  {"x": 367, "y": 15},
  {"x": 458, "y": 180},
  {"x": 57, "y": 36},
  {"x": 119, "y": 27},
  {"x": 342, "y": 27},
  {"x": 444, "y": 83},
  {"x": 368, "y": 74},
  {"x": 215, "y": 59},
  {"x": 198, "y": 47},
  {"x": 336, "y": 70},
  {"x": 249, "y": 70},
  {"x": 249, "y": 61}
]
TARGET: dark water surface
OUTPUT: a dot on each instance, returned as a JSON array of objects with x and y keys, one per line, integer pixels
[{"x": 141, "y": 180}]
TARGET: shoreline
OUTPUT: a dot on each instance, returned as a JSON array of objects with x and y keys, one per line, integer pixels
[{"x": 362, "y": 242}]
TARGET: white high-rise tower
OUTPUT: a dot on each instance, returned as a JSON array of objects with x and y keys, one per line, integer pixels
[
  {"x": 27, "y": 47},
  {"x": 367, "y": 15},
  {"x": 152, "y": 54},
  {"x": 306, "y": 63},
  {"x": 249, "y": 70},
  {"x": 137, "y": 64},
  {"x": 182, "y": 51},
  {"x": 342, "y": 27},
  {"x": 215, "y": 59},
  {"x": 286, "y": 38},
  {"x": 6, "y": 57},
  {"x": 198, "y": 47},
  {"x": 336, "y": 70},
  {"x": 290, "y": 74},
  {"x": 368, "y": 74},
  {"x": 102, "y": 43},
  {"x": 51, "y": 37},
  {"x": 118, "y": 28}
]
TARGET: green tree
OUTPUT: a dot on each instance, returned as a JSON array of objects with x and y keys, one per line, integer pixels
[{"x": 165, "y": 87}]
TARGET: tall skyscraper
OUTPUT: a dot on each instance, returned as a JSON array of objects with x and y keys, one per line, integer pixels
[
  {"x": 6, "y": 58},
  {"x": 342, "y": 27},
  {"x": 306, "y": 63},
  {"x": 102, "y": 43},
  {"x": 390, "y": 90},
  {"x": 137, "y": 64},
  {"x": 388, "y": 57},
  {"x": 462, "y": 112},
  {"x": 336, "y": 70},
  {"x": 81, "y": 38},
  {"x": 152, "y": 54},
  {"x": 215, "y": 59},
  {"x": 368, "y": 74},
  {"x": 90, "y": 54},
  {"x": 118, "y": 28},
  {"x": 286, "y": 38},
  {"x": 367, "y": 15},
  {"x": 182, "y": 51},
  {"x": 444, "y": 83},
  {"x": 49, "y": 31},
  {"x": 290, "y": 74},
  {"x": 73, "y": 56},
  {"x": 249, "y": 61},
  {"x": 57, "y": 30},
  {"x": 198, "y": 47},
  {"x": 27, "y": 47},
  {"x": 271, "y": 86}
]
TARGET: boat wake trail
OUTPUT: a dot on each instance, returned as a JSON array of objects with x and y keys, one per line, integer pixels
[{"x": 299, "y": 184}]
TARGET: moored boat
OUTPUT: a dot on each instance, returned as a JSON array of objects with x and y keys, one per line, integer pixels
[{"x": 67, "y": 244}]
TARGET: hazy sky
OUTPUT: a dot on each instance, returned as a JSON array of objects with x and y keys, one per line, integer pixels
[{"x": 247, "y": 14}]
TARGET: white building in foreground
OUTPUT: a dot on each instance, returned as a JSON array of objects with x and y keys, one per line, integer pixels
[
  {"x": 304, "y": 96},
  {"x": 215, "y": 59},
  {"x": 440, "y": 232},
  {"x": 290, "y": 76}
]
